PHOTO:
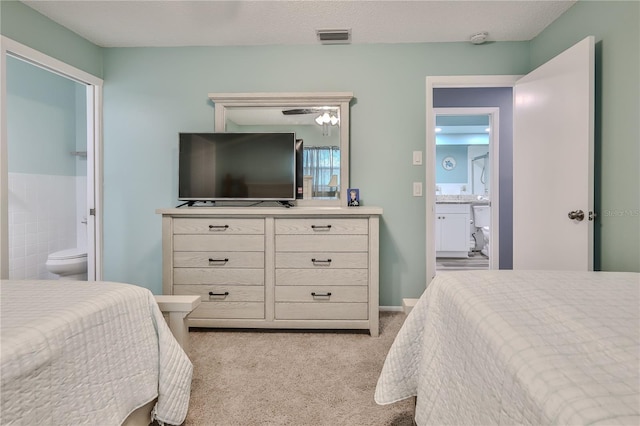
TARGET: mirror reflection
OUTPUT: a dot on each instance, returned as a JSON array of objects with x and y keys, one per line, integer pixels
[
  {"x": 462, "y": 155},
  {"x": 319, "y": 129}
]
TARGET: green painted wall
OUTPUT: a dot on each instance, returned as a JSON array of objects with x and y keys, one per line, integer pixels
[
  {"x": 24, "y": 25},
  {"x": 616, "y": 27},
  {"x": 43, "y": 121},
  {"x": 151, "y": 94}
]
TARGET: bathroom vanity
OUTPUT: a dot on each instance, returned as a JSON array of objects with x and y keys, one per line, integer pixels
[{"x": 452, "y": 229}]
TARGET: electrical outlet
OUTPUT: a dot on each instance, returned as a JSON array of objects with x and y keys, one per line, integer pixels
[
  {"x": 417, "y": 189},
  {"x": 417, "y": 158}
]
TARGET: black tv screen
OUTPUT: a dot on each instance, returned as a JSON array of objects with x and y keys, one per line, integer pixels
[{"x": 237, "y": 166}]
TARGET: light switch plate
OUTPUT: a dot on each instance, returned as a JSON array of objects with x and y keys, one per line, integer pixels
[
  {"x": 417, "y": 189},
  {"x": 417, "y": 158}
]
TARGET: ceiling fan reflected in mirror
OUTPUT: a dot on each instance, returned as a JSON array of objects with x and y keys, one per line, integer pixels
[
  {"x": 326, "y": 115},
  {"x": 298, "y": 111}
]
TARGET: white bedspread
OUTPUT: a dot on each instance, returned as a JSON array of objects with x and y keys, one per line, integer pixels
[
  {"x": 87, "y": 353},
  {"x": 518, "y": 347}
]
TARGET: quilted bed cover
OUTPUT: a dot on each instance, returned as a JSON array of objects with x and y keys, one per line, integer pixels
[
  {"x": 87, "y": 353},
  {"x": 520, "y": 347}
]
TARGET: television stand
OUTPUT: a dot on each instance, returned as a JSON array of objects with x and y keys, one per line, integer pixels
[
  {"x": 274, "y": 268},
  {"x": 193, "y": 203},
  {"x": 188, "y": 203},
  {"x": 286, "y": 204}
]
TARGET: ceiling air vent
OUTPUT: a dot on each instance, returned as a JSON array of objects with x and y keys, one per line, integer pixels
[{"x": 334, "y": 36}]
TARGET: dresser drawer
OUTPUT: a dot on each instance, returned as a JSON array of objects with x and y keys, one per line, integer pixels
[
  {"x": 222, "y": 293},
  {"x": 218, "y": 259},
  {"x": 314, "y": 277},
  {"x": 270, "y": 267},
  {"x": 316, "y": 243},
  {"x": 218, "y": 226},
  {"x": 322, "y": 294},
  {"x": 321, "y": 311},
  {"x": 218, "y": 242},
  {"x": 322, "y": 226},
  {"x": 218, "y": 276},
  {"x": 228, "y": 310},
  {"x": 322, "y": 260}
]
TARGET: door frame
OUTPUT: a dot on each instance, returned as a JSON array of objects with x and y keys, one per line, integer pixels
[
  {"x": 494, "y": 123},
  {"x": 466, "y": 81},
  {"x": 93, "y": 84}
]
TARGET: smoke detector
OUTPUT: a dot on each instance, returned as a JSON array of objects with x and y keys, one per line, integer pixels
[
  {"x": 479, "y": 38},
  {"x": 334, "y": 36}
]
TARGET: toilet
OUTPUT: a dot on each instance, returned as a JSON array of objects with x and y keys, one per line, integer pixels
[
  {"x": 70, "y": 264},
  {"x": 482, "y": 220}
]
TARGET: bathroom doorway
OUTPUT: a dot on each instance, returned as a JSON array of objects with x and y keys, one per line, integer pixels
[
  {"x": 466, "y": 143},
  {"x": 473, "y": 92},
  {"x": 49, "y": 171}
]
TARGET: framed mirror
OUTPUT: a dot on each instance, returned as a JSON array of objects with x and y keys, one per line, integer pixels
[{"x": 320, "y": 120}]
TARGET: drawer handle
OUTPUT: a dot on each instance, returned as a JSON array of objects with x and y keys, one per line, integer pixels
[
  {"x": 325, "y": 262},
  {"x": 212, "y": 294},
  {"x": 314, "y": 294},
  {"x": 321, "y": 227},
  {"x": 218, "y": 227},
  {"x": 225, "y": 260}
]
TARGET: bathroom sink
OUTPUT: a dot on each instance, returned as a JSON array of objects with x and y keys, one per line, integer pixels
[
  {"x": 477, "y": 200},
  {"x": 453, "y": 202}
]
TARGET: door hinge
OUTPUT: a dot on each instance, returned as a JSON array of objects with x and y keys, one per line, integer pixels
[{"x": 92, "y": 212}]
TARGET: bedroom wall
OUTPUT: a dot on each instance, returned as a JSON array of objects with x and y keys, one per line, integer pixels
[
  {"x": 26, "y": 26},
  {"x": 617, "y": 134},
  {"x": 151, "y": 94}
]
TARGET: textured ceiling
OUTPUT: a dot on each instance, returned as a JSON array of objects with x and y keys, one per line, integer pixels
[{"x": 118, "y": 23}]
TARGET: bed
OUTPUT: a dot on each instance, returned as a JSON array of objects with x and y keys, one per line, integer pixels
[
  {"x": 87, "y": 353},
  {"x": 520, "y": 347}
]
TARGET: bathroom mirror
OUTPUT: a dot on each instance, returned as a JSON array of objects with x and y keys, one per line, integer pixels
[
  {"x": 320, "y": 120},
  {"x": 462, "y": 154}
]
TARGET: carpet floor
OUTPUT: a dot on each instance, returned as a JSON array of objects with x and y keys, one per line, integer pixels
[{"x": 249, "y": 377}]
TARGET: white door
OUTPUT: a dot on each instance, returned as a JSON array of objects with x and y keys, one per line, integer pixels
[{"x": 553, "y": 163}]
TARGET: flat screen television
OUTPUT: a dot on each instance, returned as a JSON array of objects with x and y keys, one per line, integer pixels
[{"x": 237, "y": 166}]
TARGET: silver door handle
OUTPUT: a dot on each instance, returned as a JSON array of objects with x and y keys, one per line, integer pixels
[{"x": 576, "y": 215}]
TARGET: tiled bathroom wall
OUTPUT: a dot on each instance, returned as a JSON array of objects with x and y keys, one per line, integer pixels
[{"x": 44, "y": 217}]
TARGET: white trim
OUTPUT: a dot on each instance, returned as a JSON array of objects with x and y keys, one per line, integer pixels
[
  {"x": 49, "y": 63},
  {"x": 441, "y": 82},
  {"x": 94, "y": 143},
  {"x": 390, "y": 308},
  {"x": 4, "y": 167},
  {"x": 94, "y": 179},
  {"x": 408, "y": 305}
]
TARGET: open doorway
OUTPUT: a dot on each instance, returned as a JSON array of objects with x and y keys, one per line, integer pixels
[
  {"x": 465, "y": 154},
  {"x": 48, "y": 205},
  {"x": 452, "y": 92}
]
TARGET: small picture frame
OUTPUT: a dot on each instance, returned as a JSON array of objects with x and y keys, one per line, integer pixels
[{"x": 353, "y": 197}]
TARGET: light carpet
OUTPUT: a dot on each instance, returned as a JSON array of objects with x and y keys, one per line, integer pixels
[{"x": 244, "y": 377}]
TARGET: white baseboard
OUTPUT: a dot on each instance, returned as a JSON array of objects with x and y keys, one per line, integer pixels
[
  {"x": 390, "y": 308},
  {"x": 408, "y": 304}
]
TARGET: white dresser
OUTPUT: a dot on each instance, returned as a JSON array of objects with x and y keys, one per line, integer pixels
[{"x": 274, "y": 267}]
